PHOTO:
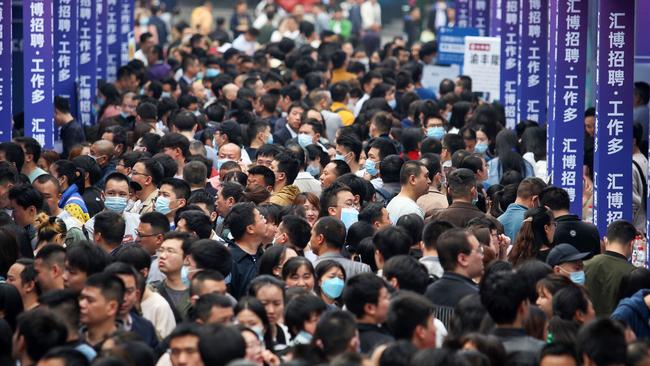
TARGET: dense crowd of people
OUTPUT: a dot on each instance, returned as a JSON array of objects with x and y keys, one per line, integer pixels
[{"x": 285, "y": 191}]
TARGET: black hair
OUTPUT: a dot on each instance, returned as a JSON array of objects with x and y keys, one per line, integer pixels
[
  {"x": 360, "y": 290},
  {"x": 621, "y": 232},
  {"x": 390, "y": 168},
  {"x": 69, "y": 356},
  {"x": 87, "y": 257},
  {"x": 158, "y": 221},
  {"x": 568, "y": 300},
  {"x": 241, "y": 215},
  {"x": 254, "y": 305},
  {"x": 288, "y": 165},
  {"x": 292, "y": 265},
  {"x": 603, "y": 341},
  {"x": 180, "y": 187},
  {"x": 460, "y": 182},
  {"x": 74, "y": 175},
  {"x": 328, "y": 196},
  {"x": 558, "y": 349},
  {"x": 271, "y": 259},
  {"x": 11, "y": 304},
  {"x": 334, "y": 331},
  {"x": 176, "y": 141},
  {"x": 111, "y": 226},
  {"x": 340, "y": 167},
  {"x": 210, "y": 254},
  {"x": 432, "y": 231},
  {"x": 110, "y": 286},
  {"x": 134, "y": 256},
  {"x": 297, "y": 229},
  {"x": 333, "y": 231},
  {"x": 357, "y": 232},
  {"x": 300, "y": 310},
  {"x": 13, "y": 153},
  {"x": 31, "y": 146},
  {"x": 41, "y": 331},
  {"x": 232, "y": 345},
  {"x": 204, "y": 304},
  {"x": 391, "y": 241},
  {"x": 357, "y": 185},
  {"x": 406, "y": 311},
  {"x": 198, "y": 222},
  {"x": 371, "y": 212},
  {"x": 351, "y": 143},
  {"x": 204, "y": 275},
  {"x": 410, "y": 274},
  {"x": 412, "y": 225},
  {"x": 468, "y": 316},
  {"x": 531, "y": 271},
  {"x": 555, "y": 198},
  {"x": 25, "y": 196},
  {"x": 502, "y": 293},
  {"x": 384, "y": 146}
]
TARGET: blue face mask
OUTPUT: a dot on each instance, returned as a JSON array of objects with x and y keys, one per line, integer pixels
[
  {"x": 436, "y": 132},
  {"x": 371, "y": 167},
  {"x": 304, "y": 140},
  {"x": 100, "y": 101},
  {"x": 392, "y": 103},
  {"x": 481, "y": 147},
  {"x": 269, "y": 140},
  {"x": 124, "y": 115},
  {"x": 116, "y": 204},
  {"x": 339, "y": 157},
  {"x": 199, "y": 75},
  {"x": 162, "y": 205},
  {"x": 333, "y": 287},
  {"x": 349, "y": 216},
  {"x": 210, "y": 72},
  {"x": 313, "y": 170},
  {"x": 577, "y": 277},
  {"x": 185, "y": 275},
  {"x": 165, "y": 95},
  {"x": 144, "y": 21}
]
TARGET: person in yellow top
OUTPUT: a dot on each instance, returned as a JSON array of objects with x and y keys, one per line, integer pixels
[
  {"x": 201, "y": 19},
  {"x": 340, "y": 93},
  {"x": 339, "y": 67}
]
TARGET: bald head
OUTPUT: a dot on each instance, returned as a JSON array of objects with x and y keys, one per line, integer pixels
[
  {"x": 230, "y": 151},
  {"x": 230, "y": 91},
  {"x": 102, "y": 147}
]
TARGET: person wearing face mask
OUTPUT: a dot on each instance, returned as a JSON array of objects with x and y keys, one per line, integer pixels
[
  {"x": 527, "y": 197},
  {"x": 116, "y": 198},
  {"x": 172, "y": 195},
  {"x": 435, "y": 127},
  {"x": 566, "y": 261},
  {"x": 102, "y": 152}
]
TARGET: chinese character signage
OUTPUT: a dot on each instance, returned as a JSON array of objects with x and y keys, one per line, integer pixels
[
  {"x": 567, "y": 96},
  {"x": 451, "y": 45},
  {"x": 462, "y": 13},
  {"x": 509, "y": 59},
  {"x": 100, "y": 36},
  {"x": 614, "y": 93},
  {"x": 126, "y": 30},
  {"x": 482, "y": 55},
  {"x": 65, "y": 50},
  {"x": 5, "y": 70},
  {"x": 531, "y": 101},
  {"x": 113, "y": 54},
  {"x": 87, "y": 79},
  {"x": 480, "y": 16},
  {"x": 37, "y": 64},
  {"x": 495, "y": 18}
]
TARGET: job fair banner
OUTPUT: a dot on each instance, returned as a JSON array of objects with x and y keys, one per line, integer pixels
[
  {"x": 126, "y": 37},
  {"x": 568, "y": 32},
  {"x": 113, "y": 54},
  {"x": 462, "y": 13},
  {"x": 5, "y": 70},
  {"x": 87, "y": 79},
  {"x": 509, "y": 59},
  {"x": 533, "y": 37},
  {"x": 479, "y": 16},
  {"x": 65, "y": 50},
  {"x": 614, "y": 91},
  {"x": 495, "y": 18},
  {"x": 482, "y": 55},
  {"x": 100, "y": 36},
  {"x": 37, "y": 78}
]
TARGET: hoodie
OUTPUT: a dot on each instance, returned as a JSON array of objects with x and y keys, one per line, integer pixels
[
  {"x": 286, "y": 195},
  {"x": 634, "y": 312}
]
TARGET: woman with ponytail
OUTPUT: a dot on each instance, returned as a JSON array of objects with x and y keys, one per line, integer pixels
[
  {"x": 535, "y": 236},
  {"x": 71, "y": 183}
]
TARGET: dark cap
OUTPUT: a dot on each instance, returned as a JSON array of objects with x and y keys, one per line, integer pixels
[
  {"x": 231, "y": 129},
  {"x": 563, "y": 253}
]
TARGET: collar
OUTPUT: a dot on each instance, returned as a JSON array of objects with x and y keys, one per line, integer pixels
[
  {"x": 458, "y": 277},
  {"x": 465, "y": 205},
  {"x": 330, "y": 255},
  {"x": 238, "y": 254},
  {"x": 615, "y": 255},
  {"x": 291, "y": 132},
  {"x": 510, "y": 332},
  {"x": 69, "y": 192},
  {"x": 569, "y": 217},
  {"x": 434, "y": 190}
]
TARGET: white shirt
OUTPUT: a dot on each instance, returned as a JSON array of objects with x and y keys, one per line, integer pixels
[
  {"x": 157, "y": 310},
  {"x": 400, "y": 206},
  {"x": 132, "y": 221},
  {"x": 139, "y": 55},
  {"x": 357, "y": 107},
  {"x": 307, "y": 183},
  {"x": 240, "y": 43},
  {"x": 370, "y": 14}
]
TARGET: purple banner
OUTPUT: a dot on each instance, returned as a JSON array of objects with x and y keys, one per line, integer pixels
[
  {"x": 65, "y": 50},
  {"x": 531, "y": 101},
  {"x": 87, "y": 80},
  {"x": 126, "y": 31},
  {"x": 568, "y": 21},
  {"x": 509, "y": 59},
  {"x": 462, "y": 13},
  {"x": 480, "y": 16},
  {"x": 495, "y": 18},
  {"x": 37, "y": 64},
  {"x": 5, "y": 70},
  {"x": 100, "y": 36},
  {"x": 112, "y": 37},
  {"x": 614, "y": 93}
]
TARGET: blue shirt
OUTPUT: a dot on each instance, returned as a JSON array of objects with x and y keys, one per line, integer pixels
[{"x": 512, "y": 220}]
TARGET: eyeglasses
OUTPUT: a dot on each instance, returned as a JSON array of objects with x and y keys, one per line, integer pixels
[
  {"x": 140, "y": 235},
  {"x": 133, "y": 172}
]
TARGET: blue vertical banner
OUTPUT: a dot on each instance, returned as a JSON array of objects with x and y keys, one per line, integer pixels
[
  {"x": 533, "y": 38},
  {"x": 87, "y": 78},
  {"x": 480, "y": 16},
  {"x": 495, "y": 18},
  {"x": 569, "y": 21},
  {"x": 37, "y": 78},
  {"x": 462, "y": 13},
  {"x": 100, "y": 36},
  {"x": 614, "y": 93},
  {"x": 126, "y": 30},
  {"x": 112, "y": 40},
  {"x": 65, "y": 51},
  {"x": 509, "y": 59},
  {"x": 5, "y": 70}
]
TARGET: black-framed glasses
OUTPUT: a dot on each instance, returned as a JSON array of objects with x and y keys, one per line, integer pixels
[
  {"x": 133, "y": 172},
  {"x": 140, "y": 235}
]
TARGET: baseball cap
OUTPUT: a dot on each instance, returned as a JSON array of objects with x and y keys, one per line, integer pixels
[{"x": 563, "y": 253}]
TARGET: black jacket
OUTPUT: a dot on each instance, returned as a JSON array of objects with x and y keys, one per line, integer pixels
[
  {"x": 244, "y": 269},
  {"x": 582, "y": 235},
  {"x": 72, "y": 133},
  {"x": 450, "y": 289},
  {"x": 371, "y": 336},
  {"x": 521, "y": 349}
]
